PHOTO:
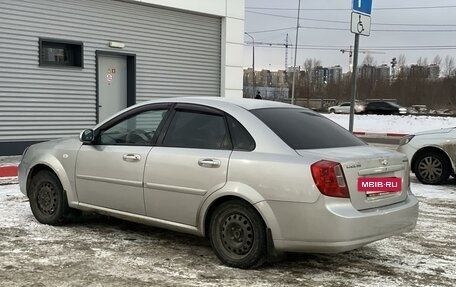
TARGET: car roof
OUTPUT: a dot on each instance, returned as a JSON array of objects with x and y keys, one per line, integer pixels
[
  {"x": 229, "y": 105},
  {"x": 221, "y": 102}
]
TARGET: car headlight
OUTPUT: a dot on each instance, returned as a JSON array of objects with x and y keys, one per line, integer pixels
[{"x": 406, "y": 139}]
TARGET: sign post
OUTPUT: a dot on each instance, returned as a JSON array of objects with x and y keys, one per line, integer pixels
[{"x": 360, "y": 25}]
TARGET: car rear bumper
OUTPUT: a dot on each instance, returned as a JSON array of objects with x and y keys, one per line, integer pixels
[{"x": 332, "y": 225}]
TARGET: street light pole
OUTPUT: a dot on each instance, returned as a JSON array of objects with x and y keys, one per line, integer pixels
[
  {"x": 253, "y": 63},
  {"x": 296, "y": 53}
]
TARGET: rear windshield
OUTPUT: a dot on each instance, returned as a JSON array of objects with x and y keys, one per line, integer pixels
[{"x": 304, "y": 129}]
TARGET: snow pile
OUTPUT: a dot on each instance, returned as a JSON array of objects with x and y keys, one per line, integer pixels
[{"x": 393, "y": 124}]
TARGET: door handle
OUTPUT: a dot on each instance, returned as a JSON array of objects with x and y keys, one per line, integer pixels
[
  {"x": 131, "y": 157},
  {"x": 209, "y": 163}
]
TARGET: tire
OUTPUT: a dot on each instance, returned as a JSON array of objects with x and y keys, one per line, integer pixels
[
  {"x": 48, "y": 200},
  {"x": 432, "y": 167},
  {"x": 238, "y": 235},
  {"x": 332, "y": 111}
]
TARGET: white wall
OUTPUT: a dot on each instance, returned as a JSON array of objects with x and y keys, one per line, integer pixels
[{"x": 232, "y": 13}]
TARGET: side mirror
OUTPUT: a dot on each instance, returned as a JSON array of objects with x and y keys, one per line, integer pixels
[{"x": 87, "y": 136}]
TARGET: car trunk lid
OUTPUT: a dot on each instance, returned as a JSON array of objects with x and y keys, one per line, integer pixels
[{"x": 367, "y": 162}]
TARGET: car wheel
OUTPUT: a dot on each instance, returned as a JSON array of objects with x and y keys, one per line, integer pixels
[
  {"x": 48, "y": 200},
  {"x": 432, "y": 168},
  {"x": 238, "y": 235},
  {"x": 332, "y": 111}
]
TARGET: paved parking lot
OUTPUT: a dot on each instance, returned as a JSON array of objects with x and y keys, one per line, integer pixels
[{"x": 100, "y": 251}]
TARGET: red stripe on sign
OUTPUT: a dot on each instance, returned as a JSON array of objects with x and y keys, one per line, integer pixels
[
  {"x": 8, "y": 171},
  {"x": 379, "y": 184}
]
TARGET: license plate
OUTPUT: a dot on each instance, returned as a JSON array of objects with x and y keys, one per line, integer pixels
[{"x": 374, "y": 194}]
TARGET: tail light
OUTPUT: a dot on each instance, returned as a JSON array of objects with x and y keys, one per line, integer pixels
[{"x": 329, "y": 178}]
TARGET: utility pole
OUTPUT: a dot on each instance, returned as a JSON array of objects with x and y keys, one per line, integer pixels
[
  {"x": 360, "y": 25},
  {"x": 286, "y": 53},
  {"x": 353, "y": 84},
  {"x": 253, "y": 64},
  {"x": 295, "y": 56}
]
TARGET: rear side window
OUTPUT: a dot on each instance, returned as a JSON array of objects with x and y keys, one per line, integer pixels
[
  {"x": 242, "y": 140},
  {"x": 191, "y": 129},
  {"x": 303, "y": 129}
]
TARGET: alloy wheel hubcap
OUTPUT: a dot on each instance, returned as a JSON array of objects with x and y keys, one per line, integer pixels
[
  {"x": 237, "y": 234},
  {"x": 430, "y": 168}
]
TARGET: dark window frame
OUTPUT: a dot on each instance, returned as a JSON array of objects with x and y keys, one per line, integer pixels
[{"x": 77, "y": 46}]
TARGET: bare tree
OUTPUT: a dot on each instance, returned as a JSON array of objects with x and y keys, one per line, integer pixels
[
  {"x": 306, "y": 85},
  {"x": 449, "y": 66},
  {"x": 310, "y": 64},
  {"x": 368, "y": 60},
  {"x": 401, "y": 60},
  {"x": 422, "y": 61},
  {"x": 437, "y": 60}
]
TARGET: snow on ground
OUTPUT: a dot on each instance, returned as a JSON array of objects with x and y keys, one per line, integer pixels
[
  {"x": 446, "y": 191},
  {"x": 100, "y": 251},
  {"x": 408, "y": 124}
]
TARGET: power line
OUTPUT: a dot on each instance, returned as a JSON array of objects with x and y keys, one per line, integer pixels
[
  {"x": 348, "y": 22},
  {"x": 414, "y": 31},
  {"x": 268, "y": 14},
  {"x": 345, "y": 9},
  {"x": 381, "y": 30},
  {"x": 375, "y": 30},
  {"x": 366, "y": 47},
  {"x": 328, "y": 48},
  {"x": 272, "y": 30}
]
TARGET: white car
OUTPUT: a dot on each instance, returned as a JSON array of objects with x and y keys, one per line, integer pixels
[
  {"x": 432, "y": 154},
  {"x": 344, "y": 108}
]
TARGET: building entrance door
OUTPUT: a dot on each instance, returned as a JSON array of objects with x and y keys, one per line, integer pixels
[{"x": 112, "y": 85}]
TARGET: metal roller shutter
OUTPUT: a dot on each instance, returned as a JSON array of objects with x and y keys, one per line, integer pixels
[{"x": 177, "y": 54}]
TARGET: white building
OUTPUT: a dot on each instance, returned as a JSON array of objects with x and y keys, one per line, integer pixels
[{"x": 66, "y": 65}]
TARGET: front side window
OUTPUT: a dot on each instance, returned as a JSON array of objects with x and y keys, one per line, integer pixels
[
  {"x": 135, "y": 130},
  {"x": 193, "y": 129},
  {"x": 303, "y": 129}
]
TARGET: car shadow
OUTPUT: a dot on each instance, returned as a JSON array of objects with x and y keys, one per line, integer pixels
[{"x": 176, "y": 242}]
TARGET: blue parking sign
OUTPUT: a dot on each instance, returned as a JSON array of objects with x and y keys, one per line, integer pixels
[{"x": 362, "y": 6}]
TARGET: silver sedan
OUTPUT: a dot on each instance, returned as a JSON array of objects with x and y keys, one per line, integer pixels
[{"x": 253, "y": 176}]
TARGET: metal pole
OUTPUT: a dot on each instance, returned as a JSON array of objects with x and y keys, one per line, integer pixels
[
  {"x": 253, "y": 63},
  {"x": 353, "y": 83},
  {"x": 295, "y": 56}
]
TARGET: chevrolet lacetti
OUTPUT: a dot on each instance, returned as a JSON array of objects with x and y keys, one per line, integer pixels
[{"x": 255, "y": 177}]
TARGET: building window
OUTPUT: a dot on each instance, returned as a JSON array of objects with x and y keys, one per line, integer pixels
[{"x": 61, "y": 53}]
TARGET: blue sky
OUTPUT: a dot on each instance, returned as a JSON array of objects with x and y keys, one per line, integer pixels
[{"x": 335, "y": 35}]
